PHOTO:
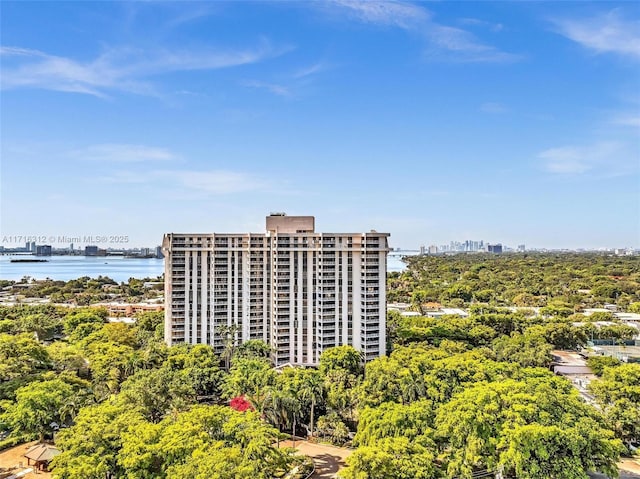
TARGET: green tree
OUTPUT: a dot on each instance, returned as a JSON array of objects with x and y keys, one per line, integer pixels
[
  {"x": 21, "y": 355},
  {"x": 560, "y": 335},
  {"x": 479, "y": 424},
  {"x": 75, "y": 319},
  {"x": 253, "y": 349},
  {"x": 312, "y": 391},
  {"x": 599, "y": 363},
  {"x": 65, "y": 357},
  {"x": 332, "y": 428},
  {"x": 201, "y": 366},
  {"x": 554, "y": 452},
  {"x": 157, "y": 392},
  {"x": 341, "y": 358},
  {"x": 618, "y": 394},
  {"x": 413, "y": 421},
  {"x": 229, "y": 335},
  {"x": 391, "y": 458},
  {"x": 90, "y": 448},
  {"x": 249, "y": 377},
  {"x": 37, "y": 406},
  {"x": 150, "y": 320},
  {"x": 528, "y": 350},
  {"x": 42, "y": 325}
]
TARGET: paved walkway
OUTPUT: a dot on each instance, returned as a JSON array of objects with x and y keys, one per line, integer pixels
[
  {"x": 10, "y": 458},
  {"x": 327, "y": 459},
  {"x": 630, "y": 466}
]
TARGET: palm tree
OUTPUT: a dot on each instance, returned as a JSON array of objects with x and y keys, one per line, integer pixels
[
  {"x": 312, "y": 390},
  {"x": 228, "y": 333},
  {"x": 274, "y": 407},
  {"x": 293, "y": 408}
]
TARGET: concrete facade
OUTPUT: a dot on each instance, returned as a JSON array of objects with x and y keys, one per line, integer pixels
[{"x": 299, "y": 291}]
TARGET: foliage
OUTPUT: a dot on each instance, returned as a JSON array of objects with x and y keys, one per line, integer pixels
[
  {"x": 525, "y": 280},
  {"x": 85, "y": 290},
  {"x": 412, "y": 421},
  {"x": 482, "y": 426},
  {"x": 618, "y": 394},
  {"x": 599, "y": 363},
  {"x": 342, "y": 359},
  {"x": 553, "y": 452},
  {"x": 21, "y": 355},
  {"x": 253, "y": 349},
  {"x": 90, "y": 448},
  {"x": 391, "y": 458},
  {"x": 249, "y": 378},
  {"x": 455, "y": 395},
  {"x": 37, "y": 406},
  {"x": 331, "y": 427},
  {"x": 528, "y": 350}
]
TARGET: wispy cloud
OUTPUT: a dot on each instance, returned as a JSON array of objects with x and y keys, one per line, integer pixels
[
  {"x": 201, "y": 10},
  {"x": 494, "y": 27},
  {"x": 123, "y": 69},
  {"x": 190, "y": 183},
  {"x": 455, "y": 44},
  {"x": 122, "y": 153},
  {"x": 123, "y": 177},
  {"x": 443, "y": 42},
  {"x": 217, "y": 182},
  {"x": 627, "y": 120},
  {"x": 607, "y": 33},
  {"x": 274, "y": 88},
  {"x": 611, "y": 157},
  {"x": 288, "y": 86},
  {"x": 403, "y": 15},
  {"x": 310, "y": 70},
  {"x": 493, "y": 107}
]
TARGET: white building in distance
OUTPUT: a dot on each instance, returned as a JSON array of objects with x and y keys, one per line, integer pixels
[{"x": 300, "y": 291}]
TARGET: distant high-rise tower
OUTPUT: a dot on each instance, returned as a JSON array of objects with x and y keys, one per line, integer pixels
[
  {"x": 300, "y": 291},
  {"x": 494, "y": 248}
]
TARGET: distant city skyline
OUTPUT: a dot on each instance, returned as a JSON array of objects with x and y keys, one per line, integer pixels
[{"x": 514, "y": 122}]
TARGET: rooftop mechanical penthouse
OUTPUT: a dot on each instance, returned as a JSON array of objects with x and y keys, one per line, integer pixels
[{"x": 299, "y": 291}]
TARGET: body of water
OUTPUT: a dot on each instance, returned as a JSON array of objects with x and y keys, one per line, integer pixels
[
  {"x": 71, "y": 267},
  {"x": 117, "y": 268},
  {"x": 394, "y": 263}
]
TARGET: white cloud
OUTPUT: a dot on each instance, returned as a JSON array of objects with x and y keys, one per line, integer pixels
[
  {"x": 274, "y": 88},
  {"x": 122, "y": 153},
  {"x": 403, "y": 15},
  {"x": 216, "y": 182},
  {"x": 310, "y": 70},
  {"x": 17, "y": 51},
  {"x": 493, "y": 107},
  {"x": 123, "y": 69},
  {"x": 127, "y": 177},
  {"x": 627, "y": 120},
  {"x": 494, "y": 27},
  {"x": 607, "y": 33},
  {"x": 444, "y": 42},
  {"x": 290, "y": 87},
  {"x": 197, "y": 183},
  {"x": 611, "y": 157},
  {"x": 459, "y": 45}
]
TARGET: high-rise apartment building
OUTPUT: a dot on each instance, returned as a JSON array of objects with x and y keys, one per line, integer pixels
[{"x": 300, "y": 291}]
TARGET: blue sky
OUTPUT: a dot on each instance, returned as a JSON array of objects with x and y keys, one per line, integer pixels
[{"x": 514, "y": 122}]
